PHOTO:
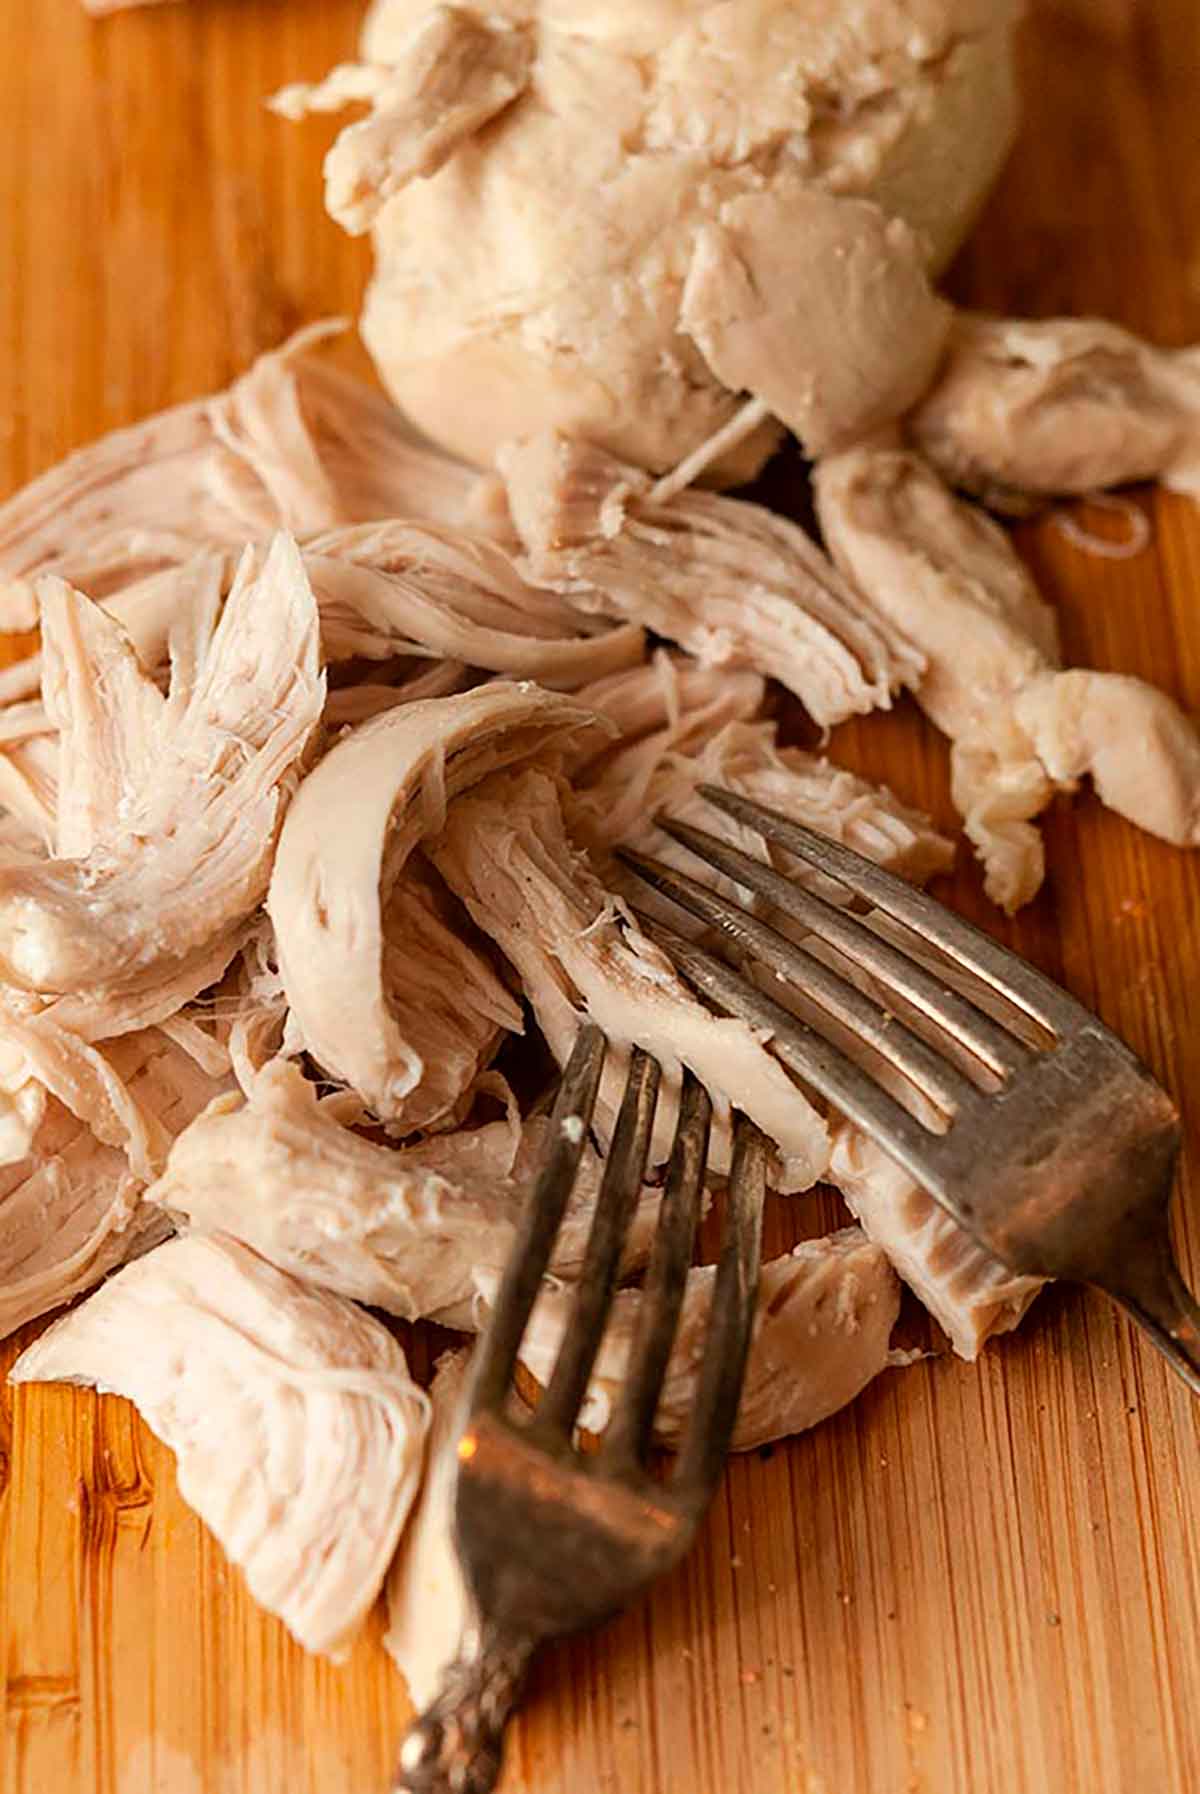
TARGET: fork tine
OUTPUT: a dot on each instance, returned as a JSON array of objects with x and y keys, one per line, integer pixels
[
  {"x": 966, "y": 945},
  {"x": 619, "y": 1186},
  {"x": 730, "y": 1318},
  {"x": 803, "y": 1050},
  {"x": 540, "y": 1220},
  {"x": 922, "y": 1064},
  {"x": 628, "y": 1436},
  {"x": 986, "y": 1039}
]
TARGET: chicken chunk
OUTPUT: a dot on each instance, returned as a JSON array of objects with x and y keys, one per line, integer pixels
[
  {"x": 84, "y": 1131},
  {"x": 170, "y": 805},
  {"x": 504, "y": 850},
  {"x": 734, "y": 584},
  {"x": 298, "y": 1431},
  {"x": 543, "y": 177},
  {"x": 1020, "y": 728},
  {"x": 1036, "y": 409},
  {"x": 341, "y": 858},
  {"x": 819, "y": 305},
  {"x": 405, "y": 1229},
  {"x": 293, "y": 444}
]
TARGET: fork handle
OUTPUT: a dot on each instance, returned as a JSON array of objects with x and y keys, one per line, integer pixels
[
  {"x": 1152, "y": 1291},
  {"x": 457, "y": 1745}
]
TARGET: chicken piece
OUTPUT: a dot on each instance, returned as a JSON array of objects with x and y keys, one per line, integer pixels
[
  {"x": 734, "y": 584},
  {"x": 655, "y": 777},
  {"x": 83, "y": 1134},
  {"x": 292, "y": 444},
  {"x": 170, "y": 805},
  {"x": 669, "y": 695},
  {"x": 458, "y": 70},
  {"x": 822, "y": 1330},
  {"x": 535, "y": 280},
  {"x": 396, "y": 587},
  {"x": 1020, "y": 729},
  {"x": 428, "y": 1607},
  {"x": 437, "y": 977},
  {"x": 970, "y": 1294},
  {"x": 298, "y": 1431},
  {"x": 405, "y": 1229},
  {"x": 341, "y": 857},
  {"x": 1037, "y": 409},
  {"x": 819, "y": 305},
  {"x": 505, "y": 852},
  {"x": 1140, "y": 750},
  {"x": 29, "y": 790}
]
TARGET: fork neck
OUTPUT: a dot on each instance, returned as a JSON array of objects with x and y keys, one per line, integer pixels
[{"x": 1151, "y": 1290}]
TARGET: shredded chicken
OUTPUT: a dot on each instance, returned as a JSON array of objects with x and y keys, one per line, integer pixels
[
  {"x": 340, "y": 861},
  {"x": 942, "y": 572},
  {"x": 298, "y": 1431},
  {"x": 293, "y": 444},
  {"x": 169, "y": 806},
  {"x": 967, "y": 1291},
  {"x": 654, "y": 777},
  {"x": 83, "y": 1133},
  {"x": 399, "y": 587},
  {"x": 505, "y": 851},
  {"x": 428, "y": 1607},
  {"x": 1036, "y": 409},
  {"x": 403, "y": 1229},
  {"x": 733, "y": 583},
  {"x": 673, "y": 697}
]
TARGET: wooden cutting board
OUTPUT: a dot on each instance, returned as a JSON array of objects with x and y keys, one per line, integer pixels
[{"x": 978, "y": 1580}]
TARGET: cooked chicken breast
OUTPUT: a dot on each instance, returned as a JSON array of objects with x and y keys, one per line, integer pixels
[
  {"x": 403, "y": 1229},
  {"x": 293, "y": 444},
  {"x": 1037, "y": 408},
  {"x": 83, "y": 1133},
  {"x": 967, "y": 1291},
  {"x": 298, "y": 1431},
  {"x": 734, "y": 584},
  {"x": 399, "y": 587},
  {"x": 505, "y": 851},
  {"x": 341, "y": 858},
  {"x": 818, "y": 304},
  {"x": 540, "y": 177},
  {"x": 170, "y": 805},
  {"x": 949, "y": 577}
]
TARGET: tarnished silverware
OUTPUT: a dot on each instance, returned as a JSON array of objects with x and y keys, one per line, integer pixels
[
  {"x": 1053, "y": 1145},
  {"x": 552, "y": 1540}
]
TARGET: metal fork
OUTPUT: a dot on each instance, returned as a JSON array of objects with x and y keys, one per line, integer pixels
[
  {"x": 550, "y": 1540},
  {"x": 1062, "y": 1168}
]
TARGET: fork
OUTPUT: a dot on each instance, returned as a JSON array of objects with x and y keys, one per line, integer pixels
[
  {"x": 1048, "y": 1140},
  {"x": 551, "y": 1540}
]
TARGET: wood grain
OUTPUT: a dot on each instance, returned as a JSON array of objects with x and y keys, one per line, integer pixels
[{"x": 978, "y": 1580}]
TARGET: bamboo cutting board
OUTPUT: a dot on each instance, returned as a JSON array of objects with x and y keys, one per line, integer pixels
[{"x": 977, "y": 1580}]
